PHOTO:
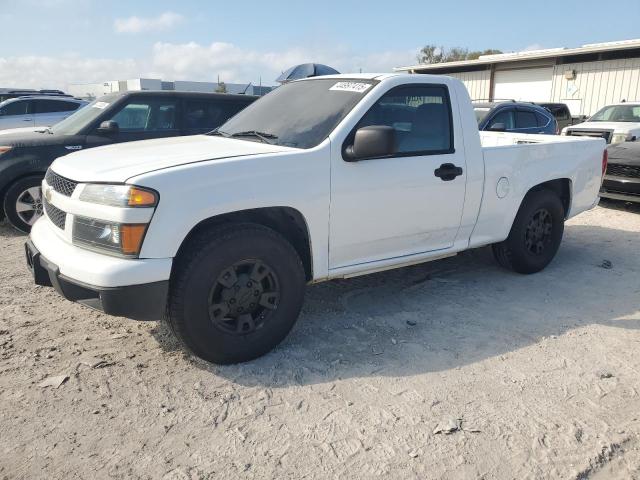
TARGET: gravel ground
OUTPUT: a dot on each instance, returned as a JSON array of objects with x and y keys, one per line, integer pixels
[{"x": 537, "y": 377}]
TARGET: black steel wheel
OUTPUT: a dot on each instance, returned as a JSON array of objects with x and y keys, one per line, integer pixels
[
  {"x": 538, "y": 233},
  {"x": 535, "y": 235},
  {"x": 235, "y": 292},
  {"x": 244, "y": 297}
]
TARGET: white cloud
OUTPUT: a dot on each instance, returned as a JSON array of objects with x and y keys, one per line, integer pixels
[
  {"x": 530, "y": 48},
  {"x": 190, "y": 61},
  {"x": 164, "y": 21}
]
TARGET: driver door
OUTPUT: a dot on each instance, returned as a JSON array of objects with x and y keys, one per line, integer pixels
[{"x": 397, "y": 205}]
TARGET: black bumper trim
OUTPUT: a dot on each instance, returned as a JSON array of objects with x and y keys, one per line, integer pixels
[{"x": 139, "y": 302}]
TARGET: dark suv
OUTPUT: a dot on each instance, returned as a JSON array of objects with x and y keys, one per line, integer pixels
[
  {"x": 517, "y": 117},
  {"x": 115, "y": 118}
]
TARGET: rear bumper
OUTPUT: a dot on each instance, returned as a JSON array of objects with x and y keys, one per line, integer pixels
[
  {"x": 621, "y": 188},
  {"x": 139, "y": 302}
]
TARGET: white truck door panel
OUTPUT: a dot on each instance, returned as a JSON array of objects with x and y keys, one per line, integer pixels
[{"x": 395, "y": 206}]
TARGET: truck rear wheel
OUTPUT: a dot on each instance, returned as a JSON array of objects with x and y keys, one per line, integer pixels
[
  {"x": 235, "y": 293},
  {"x": 23, "y": 202},
  {"x": 536, "y": 234}
]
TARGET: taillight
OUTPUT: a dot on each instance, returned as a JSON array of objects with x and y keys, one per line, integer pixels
[{"x": 605, "y": 161}]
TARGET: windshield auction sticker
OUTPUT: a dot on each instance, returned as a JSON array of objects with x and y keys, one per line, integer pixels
[
  {"x": 100, "y": 105},
  {"x": 356, "y": 87}
]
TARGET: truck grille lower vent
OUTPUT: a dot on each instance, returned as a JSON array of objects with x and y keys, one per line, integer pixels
[
  {"x": 60, "y": 184},
  {"x": 57, "y": 216},
  {"x": 617, "y": 170}
]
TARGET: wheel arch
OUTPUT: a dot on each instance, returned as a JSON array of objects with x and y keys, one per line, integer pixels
[
  {"x": 561, "y": 187},
  {"x": 287, "y": 221}
]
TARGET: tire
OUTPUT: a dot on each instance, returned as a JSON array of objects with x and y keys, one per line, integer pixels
[
  {"x": 536, "y": 234},
  {"x": 23, "y": 202},
  {"x": 235, "y": 293}
]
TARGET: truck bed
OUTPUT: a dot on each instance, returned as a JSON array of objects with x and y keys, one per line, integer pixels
[{"x": 516, "y": 162}]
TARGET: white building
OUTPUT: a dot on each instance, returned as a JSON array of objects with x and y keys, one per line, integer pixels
[
  {"x": 585, "y": 78},
  {"x": 95, "y": 90}
]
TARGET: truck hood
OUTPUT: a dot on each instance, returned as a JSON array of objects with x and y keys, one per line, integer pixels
[
  {"x": 616, "y": 127},
  {"x": 120, "y": 162},
  {"x": 11, "y": 131}
]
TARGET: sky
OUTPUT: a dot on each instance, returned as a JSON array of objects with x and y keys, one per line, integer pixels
[{"x": 52, "y": 43}]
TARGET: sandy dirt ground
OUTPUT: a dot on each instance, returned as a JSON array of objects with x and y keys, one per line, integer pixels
[{"x": 534, "y": 376}]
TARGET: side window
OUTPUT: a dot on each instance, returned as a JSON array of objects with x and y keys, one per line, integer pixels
[
  {"x": 420, "y": 116},
  {"x": 505, "y": 117},
  {"x": 207, "y": 114},
  {"x": 69, "y": 106},
  {"x": 147, "y": 115},
  {"x": 543, "y": 120},
  {"x": 50, "y": 106},
  {"x": 21, "y": 107},
  {"x": 526, "y": 119}
]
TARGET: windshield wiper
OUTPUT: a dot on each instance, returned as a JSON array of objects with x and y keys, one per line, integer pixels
[
  {"x": 219, "y": 132},
  {"x": 263, "y": 136}
]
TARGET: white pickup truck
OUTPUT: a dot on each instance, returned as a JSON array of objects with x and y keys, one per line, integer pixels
[
  {"x": 615, "y": 123},
  {"x": 323, "y": 178}
]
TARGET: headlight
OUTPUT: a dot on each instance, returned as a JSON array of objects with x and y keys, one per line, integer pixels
[
  {"x": 4, "y": 150},
  {"x": 113, "y": 238},
  {"x": 622, "y": 137},
  {"x": 109, "y": 237},
  {"x": 119, "y": 195}
]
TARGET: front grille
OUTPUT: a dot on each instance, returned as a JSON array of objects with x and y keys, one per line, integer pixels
[
  {"x": 606, "y": 134},
  {"x": 57, "y": 216},
  {"x": 60, "y": 184},
  {"x": 618, "y": 170}
]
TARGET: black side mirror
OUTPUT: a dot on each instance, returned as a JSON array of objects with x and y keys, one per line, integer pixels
[
  {"x": 372, "y": 142},
  {"x": 108, "y": 128},
  {"x": 498, "y": 127}
]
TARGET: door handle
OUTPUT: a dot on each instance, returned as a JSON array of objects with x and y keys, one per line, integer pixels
[
  {"x": 447, "y": 172},
  {"x": 28, "y": 120}
]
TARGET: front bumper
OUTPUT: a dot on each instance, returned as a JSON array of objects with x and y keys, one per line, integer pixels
[
  {"x": 139, "y": 302},
  {"x": 621, "y": 188}
]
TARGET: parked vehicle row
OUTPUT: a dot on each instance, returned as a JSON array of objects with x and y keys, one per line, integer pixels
[
  {"x": 116, "y": 118},
  {"x": 323, "y": 178}
]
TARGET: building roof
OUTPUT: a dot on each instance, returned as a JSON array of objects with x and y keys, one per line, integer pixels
[{"x": 529, "y": 55}]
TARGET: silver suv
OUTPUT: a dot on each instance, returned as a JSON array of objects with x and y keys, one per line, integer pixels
[{"x": 36, "y": 111}]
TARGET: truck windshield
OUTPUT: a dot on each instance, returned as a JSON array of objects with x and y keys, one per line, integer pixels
[
  {"x": 618, "y": 113},
  {"x": 298, "y": 114},
  {"x": 77, "y": 121}
]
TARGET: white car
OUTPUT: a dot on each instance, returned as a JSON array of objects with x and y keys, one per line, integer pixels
[
  {"x": 323, "y": 178},
  {"x": 36, "y": 111},
  {"x": 615, "y": 123}
]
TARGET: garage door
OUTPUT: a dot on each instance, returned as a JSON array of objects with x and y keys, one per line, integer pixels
[{"x": 530, "y": 84}]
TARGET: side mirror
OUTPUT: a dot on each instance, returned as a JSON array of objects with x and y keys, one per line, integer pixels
[
  {"x": 372, "y": 142},
  {"x": 498, "y": 127},
  {"x": 108, "y": 128}
]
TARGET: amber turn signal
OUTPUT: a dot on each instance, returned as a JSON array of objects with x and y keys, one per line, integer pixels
[
  {"x": 131, "y": 238},
  {"x": 141, "y": 198}
]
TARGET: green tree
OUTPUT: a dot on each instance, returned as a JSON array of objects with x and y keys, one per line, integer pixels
[{"x": 436, "y": 54}]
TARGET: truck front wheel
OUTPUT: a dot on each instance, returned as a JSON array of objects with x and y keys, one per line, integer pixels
[
  {"x": 236, "y": 292},
  {"x": 536, "y": 234}
]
